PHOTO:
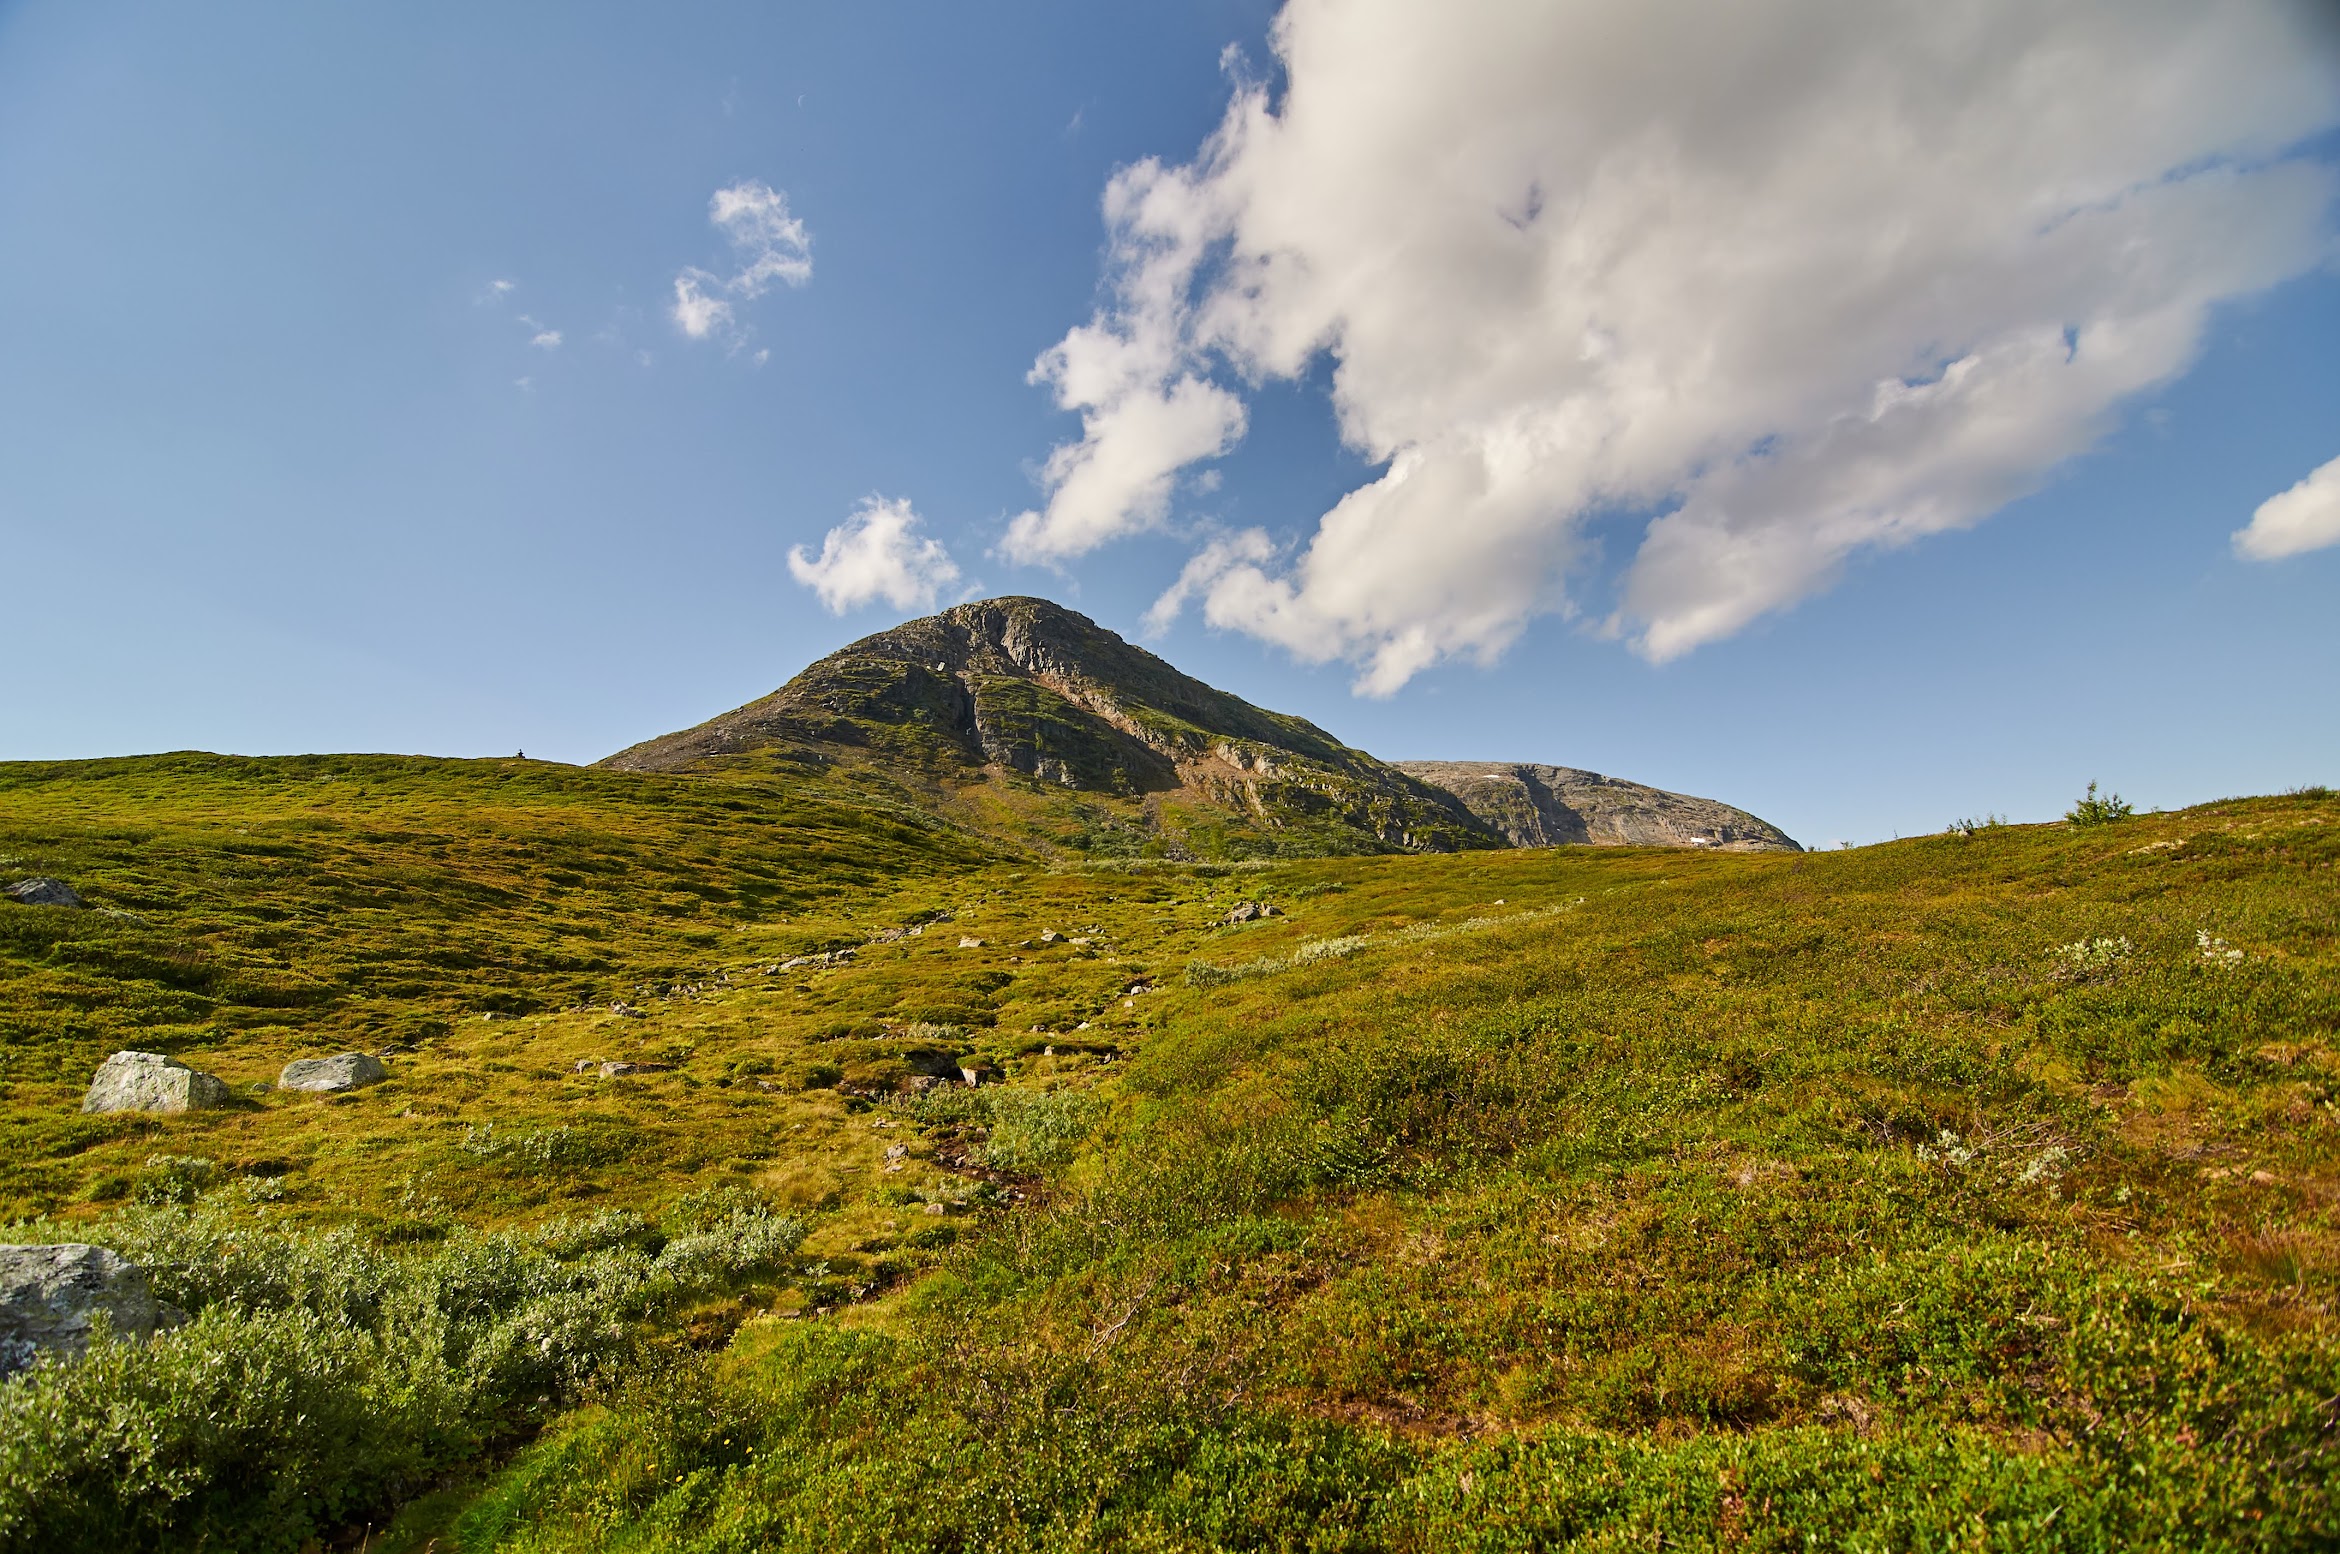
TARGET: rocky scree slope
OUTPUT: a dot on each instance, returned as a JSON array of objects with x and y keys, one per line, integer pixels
[
  {"x": 1021, "y": 688},
  {"x": 1552, "y": 806}
]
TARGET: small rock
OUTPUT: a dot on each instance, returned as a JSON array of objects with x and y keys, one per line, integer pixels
[
  {"x": 934, "y": 1208},
  {"x": 612, "y": 1070},
  {"x": 151, "y": 1082},
  {"x": 48, "y": 1295},
  {"x": 1250, "y": 911},
  {"x": 970, "y": 942},
  {"x": 972, "y": 1076},
  {"x": 43, "y": 891},
  {"x": 1049, "y": 936},
  {"x": 896, "y": 1151},
  {"x": 331, "y": 1076},
  {"x": 583, "y": 1066}
]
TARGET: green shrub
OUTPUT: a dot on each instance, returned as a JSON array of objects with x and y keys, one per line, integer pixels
[
  {"x": 324, "y": 1378},
  {"x": 1034, "y": 1134},
  {"x": 2094, "y": 811}
]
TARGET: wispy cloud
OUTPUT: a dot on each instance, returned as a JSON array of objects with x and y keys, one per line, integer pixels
[
  {"x": 876, "y": 553},
  {"x": 697, "y": 310},
  {"x": 769, "y": 246},
  {"x": 494, "y": 292},
  {"x": 2293, "y": 522},
  {"x": 546, "y": 339}
]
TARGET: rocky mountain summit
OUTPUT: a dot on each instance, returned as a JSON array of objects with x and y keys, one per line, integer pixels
[
  {"x": 1032, "y": 720},
  {"x": 1555, "y": 806},
  {"x": 1026, "y": 687}
]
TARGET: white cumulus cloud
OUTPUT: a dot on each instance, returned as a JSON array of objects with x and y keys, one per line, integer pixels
[
  {"x": 1770, "y": 284},
  {"x": 2304, "y": 518},
  {"x": 769, "y": 245},
  {"x": 876, "y": 553}
]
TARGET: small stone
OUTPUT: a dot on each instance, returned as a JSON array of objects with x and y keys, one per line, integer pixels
[
  {"x": 583, "y": 1066},
  {"x": 934, "y": 1208},
  {"x": 333, "y": 1075},
  {"x": 613, "y": 1070},
  {"x": 43, "y": 891},
  {"x": 970, "y": 942},
  {"x": 896, "y": 1151},
  {"x": 151, "y": 1082},
  {"x": 972, "y": 1076},
  {"x": 1049, "y": 936}
]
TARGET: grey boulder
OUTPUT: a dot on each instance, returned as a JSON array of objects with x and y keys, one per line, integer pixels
[
  {"x": 330, "y": 1076},
  {"x": 151, "y": 1082},
  {"x": 50, "y": 1297},
  {"x": 43, "y": 892}
]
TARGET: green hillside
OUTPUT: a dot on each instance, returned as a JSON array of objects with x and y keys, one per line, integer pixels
[
  {"x": 1967, "y": 1191},
  {"x": 1026, "y": 720}
]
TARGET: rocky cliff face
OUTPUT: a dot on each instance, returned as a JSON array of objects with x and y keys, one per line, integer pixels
[
  {"x": 1025, "y": 686},
  {"x": 1552, "y": 806}
]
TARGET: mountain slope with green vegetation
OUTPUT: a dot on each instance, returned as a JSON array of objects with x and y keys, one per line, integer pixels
[
  {"x": 1966, "y": 1191},
  {"x": 1021, "y": 717}
]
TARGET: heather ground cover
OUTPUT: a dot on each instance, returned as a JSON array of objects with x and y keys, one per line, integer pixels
[{"x": 1966, "y": 1191}]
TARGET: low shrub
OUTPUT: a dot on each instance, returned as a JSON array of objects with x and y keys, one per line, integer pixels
[
  {"x": 2094, "y": 811},
  {"x": 324, "y": 1378}
]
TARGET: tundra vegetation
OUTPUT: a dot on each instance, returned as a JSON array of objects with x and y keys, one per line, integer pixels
[{"x": 1974, "y": 1190}]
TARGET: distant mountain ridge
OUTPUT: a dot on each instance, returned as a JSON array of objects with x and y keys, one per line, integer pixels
[
  {"x": 1020, "y": 715},
  {"x": 1555, "y": 806}
]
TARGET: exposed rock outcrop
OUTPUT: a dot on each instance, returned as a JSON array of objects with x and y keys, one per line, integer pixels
[
  {"x": 151, "y": 1082},
  {"x": 331, "y": 1076},
  {"x": 50, "y": 1297},
  {"x": 1553, "y": 806},
  {"x": 43, "y": 891}
]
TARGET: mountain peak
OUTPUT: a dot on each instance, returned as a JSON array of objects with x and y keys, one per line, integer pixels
[
  {"x": 1021, "y": 716},
  {"x": 1021, "y": 691}
]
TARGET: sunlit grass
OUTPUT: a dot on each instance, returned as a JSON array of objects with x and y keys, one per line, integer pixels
[{"x": 1501, "y": 1200}]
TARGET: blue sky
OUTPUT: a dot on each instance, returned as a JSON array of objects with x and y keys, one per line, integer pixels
[{"x": 281, "y": 470}]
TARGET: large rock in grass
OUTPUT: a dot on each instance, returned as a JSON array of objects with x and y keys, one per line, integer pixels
[
  {"x": 151, "y": 1082},
  {"x": 331, "y": 1076},
  {"x": 43, "y": 892},
  {"x": 51, "y": 1296}
]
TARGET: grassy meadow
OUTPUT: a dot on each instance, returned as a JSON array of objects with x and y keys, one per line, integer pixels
[{"x": 1969, "y": 1191}]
